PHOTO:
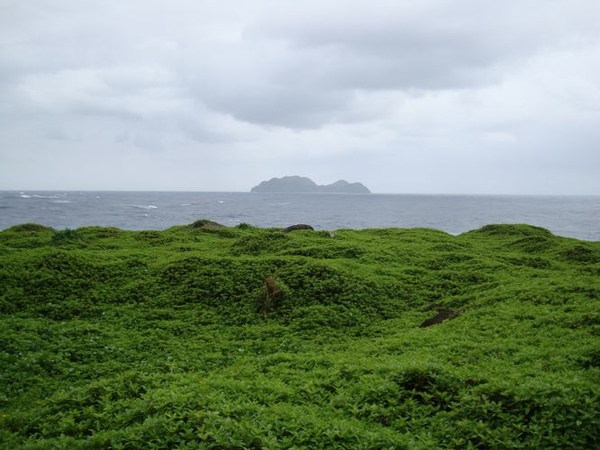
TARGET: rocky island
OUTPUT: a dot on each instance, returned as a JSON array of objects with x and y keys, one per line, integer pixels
[{"x": 299, "y": 184}]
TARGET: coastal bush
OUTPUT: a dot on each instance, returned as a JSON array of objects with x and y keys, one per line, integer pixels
[
  {"x": 143, "y": 339},
  {"x": 100, "y": 232},
  {"x": 269, "y": 242},
  {"x": 244, "y": 226},
  {"x": 28, "y": 235},
  {"x": 66, "y": 236},
  {"x": 581, "y": 253},
  {"x": 29, "y": 228},
  {"x": 326, "y": 252},
  {"x": 533, "y": 244},
  {"x": 513, "y": 230}
]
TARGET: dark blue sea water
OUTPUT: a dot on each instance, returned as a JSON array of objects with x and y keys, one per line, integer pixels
[{"x": 577, "y": 217}]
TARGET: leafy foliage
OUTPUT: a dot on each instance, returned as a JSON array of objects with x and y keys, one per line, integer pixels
[
  {"x": 175, "y": 338},
  {"x": 66, "y": 236}
]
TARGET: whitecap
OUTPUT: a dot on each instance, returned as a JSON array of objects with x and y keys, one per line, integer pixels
[
  {"x": 47, "y": 196},
  {"x": 144, "y": 207}
]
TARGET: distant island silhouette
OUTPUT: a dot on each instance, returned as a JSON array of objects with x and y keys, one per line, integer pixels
[{"x": 303, "y": 184}]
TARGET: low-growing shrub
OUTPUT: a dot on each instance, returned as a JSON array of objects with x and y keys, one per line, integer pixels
[
  {"x": 513, "y": 230},
  {"x": 158, "y": 339},
  {"x": 66, "y": 236},
  {"x": 29, "y": 228},
  {"x": 267, "y": 242},
  {"x": 581, "y": 253}
]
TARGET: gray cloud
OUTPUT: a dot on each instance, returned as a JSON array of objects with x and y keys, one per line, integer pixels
[
  {"x": 435, "y": 95},
  {"x": 433, "y": 44}
]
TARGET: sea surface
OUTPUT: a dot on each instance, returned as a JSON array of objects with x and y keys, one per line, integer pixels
[{"x": 570, "y": 216}]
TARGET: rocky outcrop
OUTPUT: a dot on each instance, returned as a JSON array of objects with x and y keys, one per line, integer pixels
[
  {"x": 298, "y": 227},
  {"x": 299, "y": 184}
]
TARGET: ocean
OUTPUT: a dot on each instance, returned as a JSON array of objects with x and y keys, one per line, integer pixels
[{"x": 570, "y": 216}]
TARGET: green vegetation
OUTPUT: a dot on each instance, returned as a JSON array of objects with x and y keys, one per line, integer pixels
[{"x": 205, "y": 336}]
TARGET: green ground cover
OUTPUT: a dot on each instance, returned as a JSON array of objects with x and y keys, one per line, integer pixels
[{"x": 167, "y": 339}]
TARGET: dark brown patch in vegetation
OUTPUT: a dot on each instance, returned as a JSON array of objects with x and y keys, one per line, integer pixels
[
  {"x": 271, "y": 296},
  {"x": 444, "y": 314}
]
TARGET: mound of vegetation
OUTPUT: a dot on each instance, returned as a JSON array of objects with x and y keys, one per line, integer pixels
[{"x": 205, "y": 336}]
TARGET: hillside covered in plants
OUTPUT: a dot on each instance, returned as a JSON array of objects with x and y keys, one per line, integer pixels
[{"x": 203, "y": 336}]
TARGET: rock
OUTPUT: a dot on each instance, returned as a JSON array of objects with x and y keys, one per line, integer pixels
[
  {"x": 205, "y": 223},
  {"x": 300, "y": 226}
]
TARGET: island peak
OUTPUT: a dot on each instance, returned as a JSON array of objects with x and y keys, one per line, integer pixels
[{"x": 298, "y": 184}]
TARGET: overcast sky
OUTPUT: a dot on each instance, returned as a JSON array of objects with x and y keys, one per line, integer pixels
[{"x": 405, "y": 96}]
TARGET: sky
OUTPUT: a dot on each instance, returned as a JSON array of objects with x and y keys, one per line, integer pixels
[{"x": 405, "y": 96}]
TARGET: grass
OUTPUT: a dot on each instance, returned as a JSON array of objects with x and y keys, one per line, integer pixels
[{"x": 161, "y": 339}]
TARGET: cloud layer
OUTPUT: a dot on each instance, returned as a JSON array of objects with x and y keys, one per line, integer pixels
[{"x": 405, "y": 96}]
